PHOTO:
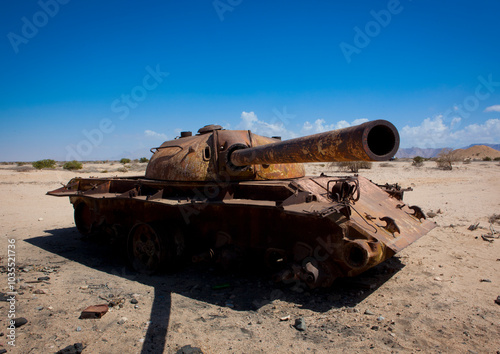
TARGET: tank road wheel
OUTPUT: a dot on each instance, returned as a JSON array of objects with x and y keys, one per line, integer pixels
[
  {"x": 83, "y": 218},
  {"x": 150, "y": 249}
]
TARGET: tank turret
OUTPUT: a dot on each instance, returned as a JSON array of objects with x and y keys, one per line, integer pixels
[{"x": 215, "y": 153}]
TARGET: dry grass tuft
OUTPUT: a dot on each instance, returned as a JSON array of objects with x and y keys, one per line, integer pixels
[{"x": 352, "y": 166}]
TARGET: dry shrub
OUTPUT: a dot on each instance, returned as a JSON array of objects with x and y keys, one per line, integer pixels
[
  {"x": 353, "y": 166},
  {"x": 446, "y": 158},
  {"x": 385, "y": 164}
]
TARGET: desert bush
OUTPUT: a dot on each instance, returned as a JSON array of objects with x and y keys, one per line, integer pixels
[
  {"x": 353, "y": 166},
  {"x": 124, "y": 160},
  {"x": 418, "y": 161},
  {"x": 487, "y": 158},
  {"x": 143, "y": 160},
  {"x": 467, "y": 161},
  {"x": 48, "y": 163},
  {"x": 73, "y": 165},
  {"x": 446, "y": 158},
  {"x": 20, "y": 163},
  {"x": 122, "y": 169},
  {"x": 104, "y": 171},
  {"x": 385, "y": 164}
]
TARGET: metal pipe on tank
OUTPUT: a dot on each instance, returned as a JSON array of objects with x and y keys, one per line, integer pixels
[{"x": 371, "y": 141}]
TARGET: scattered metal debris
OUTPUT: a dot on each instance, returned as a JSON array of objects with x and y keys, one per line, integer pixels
[
  {"x": 491, "y": 236},
  {"x": 473, "y": 227},
  {"x": 94, "y": 311}
]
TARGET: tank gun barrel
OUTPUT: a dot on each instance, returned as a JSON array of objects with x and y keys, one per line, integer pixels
[{"x": 371, "y": 141}]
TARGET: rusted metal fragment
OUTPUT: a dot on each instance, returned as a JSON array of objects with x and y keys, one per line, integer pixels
[
  {"x": 97, "y": 188},
  {"x": 71, "y": 188},
  {"x": 394, "y": 190},
  {"x": 129, "y": 194},
  {"x": 298, "y": 198},
  {"x": 94, "y": 311}
]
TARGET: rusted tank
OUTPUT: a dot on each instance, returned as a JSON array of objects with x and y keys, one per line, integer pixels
[{"x": 234, "y": 197}]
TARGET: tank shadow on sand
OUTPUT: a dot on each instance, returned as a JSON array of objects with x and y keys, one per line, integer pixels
[{"x": 208, "y": 284}]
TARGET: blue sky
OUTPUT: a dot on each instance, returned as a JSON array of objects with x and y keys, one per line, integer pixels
[{"x": 102, "y": 80}]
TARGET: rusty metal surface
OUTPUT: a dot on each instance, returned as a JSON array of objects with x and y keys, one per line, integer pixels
[
  {"x": 196, "y": 201},
  {"x": 357, "y": 229},
  {"x": 372, "y": 141},
  {"x": 205, "y": 157},
  {"x": 370, "y": 211},
  {"x": 225, "y": 155}
]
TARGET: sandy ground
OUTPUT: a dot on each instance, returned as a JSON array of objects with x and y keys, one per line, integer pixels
[{"x": 435, "y": 296}]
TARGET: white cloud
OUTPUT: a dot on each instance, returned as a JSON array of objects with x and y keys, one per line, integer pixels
[
  {"x": 435, "y": 133},
  {"x": 249, "y": 121},
  {"x": 495, "y": 108},
  {"x": 488, "y": 133},
  {"x": 319, "y": 126},
  {"x": 154, "y": 135}
]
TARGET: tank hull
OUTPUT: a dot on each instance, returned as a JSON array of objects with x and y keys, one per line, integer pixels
[{"x": 309, "y": 230}]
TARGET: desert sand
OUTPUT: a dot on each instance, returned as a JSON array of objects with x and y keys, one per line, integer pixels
[{"x": 436, "y": 296}]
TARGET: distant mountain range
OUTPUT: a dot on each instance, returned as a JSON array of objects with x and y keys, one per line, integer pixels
[{"x": 427, "y": 153}]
